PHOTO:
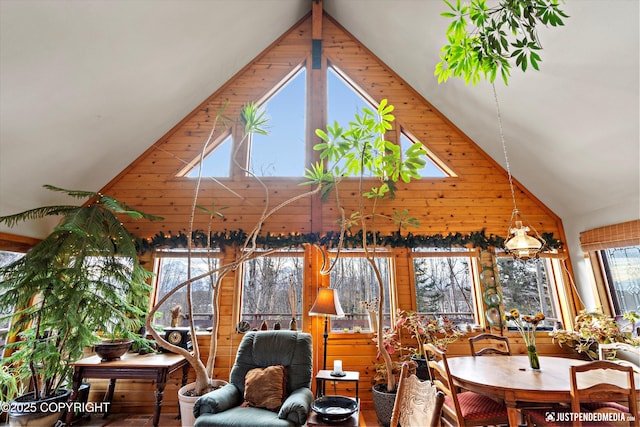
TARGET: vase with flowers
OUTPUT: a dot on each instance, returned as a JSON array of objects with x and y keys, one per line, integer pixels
[{"x": 527, "y": 326}]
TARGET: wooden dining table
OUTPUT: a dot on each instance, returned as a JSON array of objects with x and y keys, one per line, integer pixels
[{"x": 511, "y": 380}]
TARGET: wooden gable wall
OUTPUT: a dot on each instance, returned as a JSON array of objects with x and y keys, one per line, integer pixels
[{"x": 478, "y": 198}]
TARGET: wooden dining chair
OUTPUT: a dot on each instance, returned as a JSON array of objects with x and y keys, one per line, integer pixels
[
  {"x": 418, "y": 403},
  {"x": 462, "y": 408},
  {"x": 605, "y": 396},
  {"x": 491, "y": 344}
]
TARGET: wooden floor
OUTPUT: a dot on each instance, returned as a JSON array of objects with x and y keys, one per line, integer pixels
[{"x": 367, "y": 419}]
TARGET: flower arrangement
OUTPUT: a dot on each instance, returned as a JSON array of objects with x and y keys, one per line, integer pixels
[
  {"x": 423, "y": 330},
  {"x": 527, "y": 326},
  {"x": 527, "y": 331},
  {"x": 592, "y": 328}
]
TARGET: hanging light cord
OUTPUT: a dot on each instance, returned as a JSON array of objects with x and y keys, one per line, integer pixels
[{"x": 504, "y": 147}]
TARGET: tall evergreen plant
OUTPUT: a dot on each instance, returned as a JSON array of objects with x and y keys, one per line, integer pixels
[{"x": 83, "y": 278}]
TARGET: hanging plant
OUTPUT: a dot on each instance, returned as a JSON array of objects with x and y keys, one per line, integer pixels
[{"x": 483, "y": 41}]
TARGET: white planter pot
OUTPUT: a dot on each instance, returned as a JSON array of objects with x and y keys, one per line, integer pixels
[{"x": 186, "y": 402}]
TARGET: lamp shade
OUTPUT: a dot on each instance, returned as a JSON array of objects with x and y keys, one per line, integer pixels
[
  {"x": 521, "y": 245},
  {"x": 326, "y": 304}
]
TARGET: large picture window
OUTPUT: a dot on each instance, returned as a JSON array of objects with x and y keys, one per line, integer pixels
[
  {"x": 171, "y": 271},
  {"x": 271, "y": 285},
  {"x": 355, "y": 281},
  {"x": 528, "y": 286},
  {"x": 444, "y": 285},
  {"x": 622, "y": 270}
]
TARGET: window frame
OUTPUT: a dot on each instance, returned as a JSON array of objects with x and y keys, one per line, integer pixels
[
  {"x": 301, "y": 315},
  {"x": 158, "y": 255},
  {"x": 474, "y": 275},
  {"x": 392, "y": 285}
]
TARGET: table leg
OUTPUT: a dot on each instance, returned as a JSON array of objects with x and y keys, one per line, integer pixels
[
  {"x": 109, "y": 396},
  {"x": 161, "y": 383},
  {"x": 512, "y": 413}
]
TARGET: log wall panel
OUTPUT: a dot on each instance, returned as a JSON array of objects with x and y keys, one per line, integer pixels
[{"x": 478, "y": 198}]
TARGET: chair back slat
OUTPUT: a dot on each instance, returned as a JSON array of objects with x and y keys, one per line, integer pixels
[{"x": 489, "y": 344}]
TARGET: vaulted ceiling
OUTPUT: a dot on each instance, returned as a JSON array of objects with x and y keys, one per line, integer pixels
[{"x": 86, "y": 87}]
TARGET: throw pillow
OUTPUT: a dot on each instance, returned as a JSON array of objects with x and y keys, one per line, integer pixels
[{"x": 265, "y": 387}]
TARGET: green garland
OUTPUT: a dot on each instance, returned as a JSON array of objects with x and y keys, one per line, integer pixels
[{"x": 219, "y": 239}]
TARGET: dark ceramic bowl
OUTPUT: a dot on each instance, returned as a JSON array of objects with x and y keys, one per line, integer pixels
[
  {"x": 334, "y": 408},
  {"x": 112, "y": 349}
]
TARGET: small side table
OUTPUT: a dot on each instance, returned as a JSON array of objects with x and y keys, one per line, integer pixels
[{"x": 325, "y": 375}]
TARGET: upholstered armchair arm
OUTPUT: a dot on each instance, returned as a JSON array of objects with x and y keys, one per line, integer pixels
[
  {"x": 217, "y": 400},
  {"x": 296, "y": 407}
]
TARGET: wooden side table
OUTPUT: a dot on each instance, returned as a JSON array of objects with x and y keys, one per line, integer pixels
[
  {"x": 153, "y": 366},
  {"x": 325, "y": 375}
]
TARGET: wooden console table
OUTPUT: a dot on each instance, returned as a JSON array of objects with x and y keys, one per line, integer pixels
[{"x": 154, "y": 366}]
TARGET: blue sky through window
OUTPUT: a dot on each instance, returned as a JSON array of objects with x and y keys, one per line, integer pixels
[
  {"x": 281, "y": 153},
  {"x": 217, "y": 163}
]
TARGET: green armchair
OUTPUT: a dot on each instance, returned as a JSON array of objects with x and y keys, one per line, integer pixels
[{"x": 226, "y": 406}]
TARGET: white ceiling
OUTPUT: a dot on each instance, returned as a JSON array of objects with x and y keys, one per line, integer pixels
[{"x": 87, "y": 86}]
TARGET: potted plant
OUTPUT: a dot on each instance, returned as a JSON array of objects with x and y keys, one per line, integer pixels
[
  {"x": 591, "y": 329},
  {"x": 423, "y": 330},
  {"x": 362, "y": 151},
  {"x": 83, "y": 277}
]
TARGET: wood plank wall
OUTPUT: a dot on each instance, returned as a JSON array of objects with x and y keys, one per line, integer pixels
[{"x": 477, "y": 198}]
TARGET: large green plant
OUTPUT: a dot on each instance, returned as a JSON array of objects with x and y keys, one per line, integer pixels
[
  {"x": 361, "y": 151},
  {"x": 483, "y": 41},
  {"x": 83, "y": 278}
]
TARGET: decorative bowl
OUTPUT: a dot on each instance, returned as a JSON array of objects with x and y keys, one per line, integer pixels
[
  {"x": 334, "y": 408},
  {"x": 112, "y": 349}
]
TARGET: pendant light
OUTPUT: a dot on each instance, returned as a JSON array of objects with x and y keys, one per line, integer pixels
[{"x": 518, "y": 242}]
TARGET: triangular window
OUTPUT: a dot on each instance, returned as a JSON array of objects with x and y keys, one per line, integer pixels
[
  {"x": 216, "y": 163},
  {"x": 344, "y": 100},
  {"x": 434, "y": 168},
  {"x": 281, "y": 152}
]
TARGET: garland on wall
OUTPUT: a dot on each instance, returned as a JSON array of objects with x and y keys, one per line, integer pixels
[{"x": 476, "y": 239}]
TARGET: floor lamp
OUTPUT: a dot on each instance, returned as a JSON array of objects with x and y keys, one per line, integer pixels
[{"x": 326, "y": 304}]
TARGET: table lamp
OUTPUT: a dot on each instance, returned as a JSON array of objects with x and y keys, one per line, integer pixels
[{"x": 326, "y": 304}]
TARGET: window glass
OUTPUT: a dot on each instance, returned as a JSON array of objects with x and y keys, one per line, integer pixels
[
  {"x": 528, "y": 287},
  {"x": 217, "y": 163},
  {"x": 444, "y": 286},
  {"x": 281, "y": 152},
  {"x": 355, "y": 281},
  {"x": 6, "y": 258},
  {"x": 270, "y": 286},
  {"x": 430, "y": 169},
  {"x": 171, "y": 271},
  {"x": 622, "y": 267}
]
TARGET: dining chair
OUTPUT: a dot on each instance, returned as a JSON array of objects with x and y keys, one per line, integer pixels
[
  {"x": 605, "y": 396},
  {"x": 599, "y": 397},
  {"x": 418, "y": 403},
  {"x": 491, "y": 344},
  {"x": 464, "y": 408}
]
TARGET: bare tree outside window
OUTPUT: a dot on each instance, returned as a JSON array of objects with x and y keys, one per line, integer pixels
[
  {"x": 526, "y": 286},
  {"x": 354, "y": 280},
  {"x": 444, "y": 287},
  {"x": 172, "y": 270},
  {"x": 269, "y": 284}
]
